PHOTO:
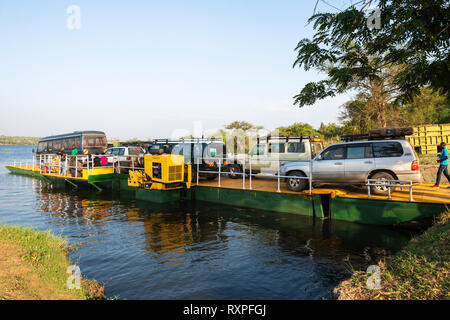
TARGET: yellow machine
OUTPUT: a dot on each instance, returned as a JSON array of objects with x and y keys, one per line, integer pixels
[{"x": 162, "y": 172}]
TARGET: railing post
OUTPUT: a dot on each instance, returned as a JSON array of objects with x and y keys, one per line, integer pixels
[
  {"x": 219, "y": 171},
  {"x": 76, "y": 166},
  {"x": 243, "y": 175},
  {"x": 59, "y": 165},
  {"x": 87, "y": 166},
  {"x": 278, "y": 175},
  {"x": 198, "y": 168},
  {"x": 250, "y": 174},
  {"x": 410, "y": 191},
  {"x": 389, "y": 192},
  {"x": 368, "y": 188},
  {"x": 310, "y": 176}
]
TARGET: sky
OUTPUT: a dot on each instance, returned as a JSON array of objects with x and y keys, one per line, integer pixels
[{"x": 154, "y": 69}]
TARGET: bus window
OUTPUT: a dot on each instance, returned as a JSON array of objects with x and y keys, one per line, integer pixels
[{"x": 94, "y": 141}]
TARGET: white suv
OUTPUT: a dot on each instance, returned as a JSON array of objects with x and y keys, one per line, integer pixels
[
  {"x": 126, "y": 156},
  {"x": 355, "y": 162}
]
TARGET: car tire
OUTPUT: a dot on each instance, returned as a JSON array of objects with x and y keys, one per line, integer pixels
[
  {"x": 296, "y": 184},
  {"x": 380, "y": 190},
  {"x": 233, "y": 169}
]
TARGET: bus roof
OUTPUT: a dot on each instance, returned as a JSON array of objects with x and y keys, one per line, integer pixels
[{"x": 72, "y": 134}]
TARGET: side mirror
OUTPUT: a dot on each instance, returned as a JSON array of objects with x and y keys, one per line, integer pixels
[{"x": 319, "y": 157}]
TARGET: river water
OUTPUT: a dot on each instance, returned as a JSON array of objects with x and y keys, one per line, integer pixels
[{"x": 192, "y": 250}]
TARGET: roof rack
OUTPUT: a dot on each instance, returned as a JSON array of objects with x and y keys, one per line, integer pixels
[
  {"x": 359, "y": 137},
  {"x": 187, "y": 140},
  {"x": 267, "y": 138},
  {"x": 135, "y": 143}
]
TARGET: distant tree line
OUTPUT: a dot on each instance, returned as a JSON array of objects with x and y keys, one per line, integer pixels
[{"x": 13, "y": 140}]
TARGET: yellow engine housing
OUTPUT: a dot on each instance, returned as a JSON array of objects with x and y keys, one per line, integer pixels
[
  {"x": 162, "y": 172},
  {"x": 165, "y": 168}
]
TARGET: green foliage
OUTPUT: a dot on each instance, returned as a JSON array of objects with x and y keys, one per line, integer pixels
[
  {"x": 414, "y": 34},
  {"x": 243, "y": 125},
  {"x": 330, "y": 130},
  {"x": 19, "y": 140},
  {"x": 298, "y": 129}
]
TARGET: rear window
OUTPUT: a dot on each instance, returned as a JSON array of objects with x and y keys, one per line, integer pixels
[
  {"x": 387, "y": 149},
  {"x": 359, "y": 151},
  {"x": 276, "y": 147},
  {"x": 296, "y": 147},
  {"x": 134, "y": 151}
]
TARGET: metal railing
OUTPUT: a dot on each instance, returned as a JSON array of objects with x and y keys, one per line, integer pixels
[
  {"x": 62, "y": 165},
  {"x": 389, "y": 184},
  {"x": 242, "y": 162}
]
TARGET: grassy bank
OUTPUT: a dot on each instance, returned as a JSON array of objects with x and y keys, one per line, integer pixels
[
  {"x": 33, "y": 266},
  {"x": 420, "y": 271}
]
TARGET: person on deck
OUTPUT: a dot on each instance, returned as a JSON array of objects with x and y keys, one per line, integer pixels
[
  {"x": 74, "y": 151},
  {"x": 443, "y": 165}
]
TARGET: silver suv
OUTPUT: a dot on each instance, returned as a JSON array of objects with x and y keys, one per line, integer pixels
[{"x": 354, "y": 162}]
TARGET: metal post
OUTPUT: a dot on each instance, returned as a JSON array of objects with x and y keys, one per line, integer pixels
[
  {"x": 250, "y": 174},
  {"x": 198, "y": 168},
  {"x": 219, "y": 171},
  {"x": 410, "y": 191},
  {"x": 243, "y": 175},
  {"x": 389, "y": 192},
  {"x": 87, "y": 165},
  {"x": 278, "y": 180},
  {"x": 76, "y": 166},
  {"x": 368, "y": 189},
  {"x": 59, "y": 165},
  {"x": 66, "y": 165},
  {"x": 310, "y": 176},
  {"x": 93, "y": 164}
]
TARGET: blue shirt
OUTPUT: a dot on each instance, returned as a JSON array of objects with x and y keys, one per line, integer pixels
[{"x": 444, "y": 154}]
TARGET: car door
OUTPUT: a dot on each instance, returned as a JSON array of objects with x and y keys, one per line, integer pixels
[
  {"x": 330, "y": 166},
  {"x": 359, "y": 162}
]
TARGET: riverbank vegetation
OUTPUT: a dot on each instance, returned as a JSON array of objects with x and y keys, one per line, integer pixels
[
  {"x": 33, "y": 266},
  {"x": 420, "y": 271},
  {"x": 13, "y": 140}
]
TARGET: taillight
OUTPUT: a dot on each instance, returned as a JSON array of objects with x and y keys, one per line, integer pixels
[
  {"x": 128, "y": 158},
  {"x": 211, "y": 164},
  {"x": 415, "y": 165}
]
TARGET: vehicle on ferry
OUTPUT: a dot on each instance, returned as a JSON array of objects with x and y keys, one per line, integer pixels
[
  {"x": 203, "y": 154},
  {"x": 86, "y": 142}
]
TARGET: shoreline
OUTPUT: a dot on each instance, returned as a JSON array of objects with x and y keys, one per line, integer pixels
[
  {"x": 420, "y": 271},
  {"x": 33, "y": 266}
]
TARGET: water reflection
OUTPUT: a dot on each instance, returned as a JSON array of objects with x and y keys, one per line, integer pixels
[{"x": 195, "y": 250}]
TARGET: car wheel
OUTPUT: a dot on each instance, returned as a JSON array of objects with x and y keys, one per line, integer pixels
[
  {"x": 382, "y": 190},
  {"x": 233, "y": 169},
  {"x": 296, "y": 184}
]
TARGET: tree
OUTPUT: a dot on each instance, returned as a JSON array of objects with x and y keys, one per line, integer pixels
[
  {"x": 414, "y": 34},
  {"x": 330, "y": 130},
  {"x": 297, "y": 129},
  {"x": 244, "y": 125}
]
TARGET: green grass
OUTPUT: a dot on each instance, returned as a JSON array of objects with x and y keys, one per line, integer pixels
[
  {"x": 419, "y": 272},
  {"x": 47, "y": 254}
]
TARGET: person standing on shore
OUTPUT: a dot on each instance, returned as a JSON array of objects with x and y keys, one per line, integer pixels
[{"x": 443, "y": 165}]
